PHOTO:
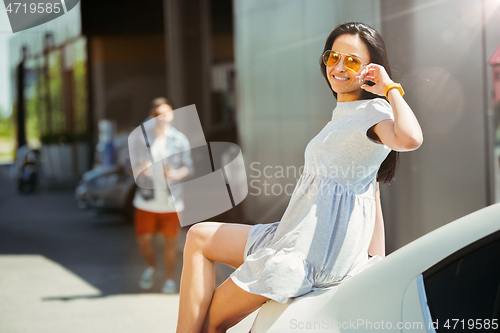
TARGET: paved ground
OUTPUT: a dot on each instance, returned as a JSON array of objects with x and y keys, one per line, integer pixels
[{"x": 66, "y": 270}]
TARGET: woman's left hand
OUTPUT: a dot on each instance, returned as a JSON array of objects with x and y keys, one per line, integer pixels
[{"x": 378, "y": 75}]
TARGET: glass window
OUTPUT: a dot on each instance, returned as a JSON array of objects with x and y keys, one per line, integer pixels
[{"x": 464, "y": 289}]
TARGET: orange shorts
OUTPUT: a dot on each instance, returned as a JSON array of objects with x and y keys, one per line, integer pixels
[{"x": 150, "y": 223}]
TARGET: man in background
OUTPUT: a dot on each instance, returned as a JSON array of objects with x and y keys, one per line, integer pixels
[{"x": 156, "y": 208}]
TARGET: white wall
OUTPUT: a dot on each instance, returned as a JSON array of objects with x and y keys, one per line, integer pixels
[{"x": 436, "y": 48}]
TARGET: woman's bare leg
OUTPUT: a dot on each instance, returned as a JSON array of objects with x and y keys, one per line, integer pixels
[
  {"x": 206, "y": 243},
  {"x": 229, "y": 306}
]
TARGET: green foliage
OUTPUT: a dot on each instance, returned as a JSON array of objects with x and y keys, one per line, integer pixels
[
  {"x": 56, "y": 91},
  {"x": 80, "y": 98},
  {"x": 32, "y": 127},
  {"x": 6, "y": 126}
]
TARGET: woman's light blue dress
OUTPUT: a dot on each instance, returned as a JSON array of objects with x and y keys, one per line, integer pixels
[{"x": 324, "y": 234}]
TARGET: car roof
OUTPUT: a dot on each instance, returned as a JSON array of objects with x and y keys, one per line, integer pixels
[{"x": 378, "y": 291}]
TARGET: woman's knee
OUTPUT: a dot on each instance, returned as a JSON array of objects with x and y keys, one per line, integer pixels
[{"x": 200, "y": 234}]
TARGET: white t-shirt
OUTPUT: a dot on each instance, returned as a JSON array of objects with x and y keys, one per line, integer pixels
[{"x": 162, "y": 201}]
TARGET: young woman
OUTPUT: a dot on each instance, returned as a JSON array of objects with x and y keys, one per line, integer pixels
[{"x": 333, "y": 222}]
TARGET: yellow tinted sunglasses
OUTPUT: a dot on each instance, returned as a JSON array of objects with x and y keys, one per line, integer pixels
[{"x": 352, "y": 63}]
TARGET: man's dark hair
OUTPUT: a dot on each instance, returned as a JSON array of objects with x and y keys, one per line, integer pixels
[{"x": 160, "y": 101}]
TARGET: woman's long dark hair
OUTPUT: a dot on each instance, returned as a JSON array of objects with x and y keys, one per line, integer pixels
[{"x": 378, "y": 55}]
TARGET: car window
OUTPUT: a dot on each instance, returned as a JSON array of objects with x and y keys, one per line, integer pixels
[{"x": 463, "y": 290}]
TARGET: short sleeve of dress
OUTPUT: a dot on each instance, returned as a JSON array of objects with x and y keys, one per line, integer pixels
[{"x": 377, "y": 110}]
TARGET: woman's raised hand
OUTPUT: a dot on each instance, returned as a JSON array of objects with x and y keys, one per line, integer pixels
[{"x": 378, "y": 75}]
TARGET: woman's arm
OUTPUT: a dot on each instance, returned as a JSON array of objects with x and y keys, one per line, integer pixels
[
  {"x": 377, "y": 245},
  {"x": 404, "y": 132}
]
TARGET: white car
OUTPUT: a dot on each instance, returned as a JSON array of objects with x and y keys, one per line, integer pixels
[{"x": 445, "y": 281}]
